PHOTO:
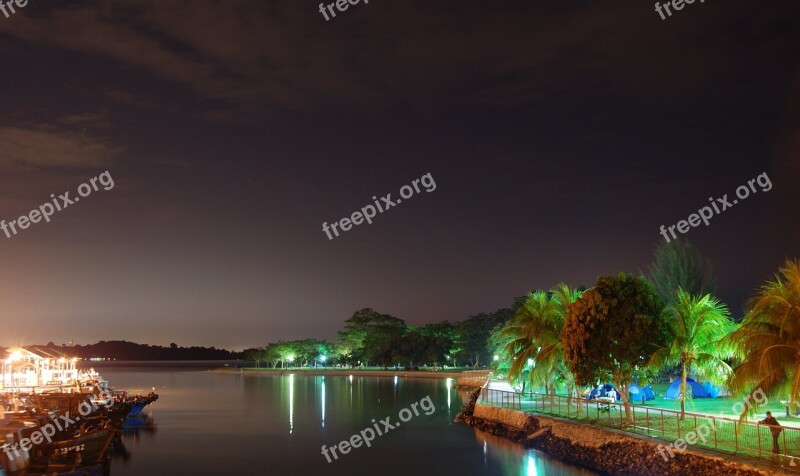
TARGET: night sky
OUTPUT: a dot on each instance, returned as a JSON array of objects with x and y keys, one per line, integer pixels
[{"x": 561, "y": 135}]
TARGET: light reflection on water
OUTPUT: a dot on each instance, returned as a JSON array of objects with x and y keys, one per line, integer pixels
[
  {"x": 210, "y": 423},
  {"x": 516, "y": 460},
  {"x": 291, "y": 403},
  {"x": 323, "y": 402}
]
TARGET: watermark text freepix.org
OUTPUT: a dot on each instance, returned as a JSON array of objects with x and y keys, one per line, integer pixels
[
  {"x": 369, "y": 212},
  {"x": 341, "y": 5},
  {"x": 6, "y": 5},
  {"x": 62, "y": 423},
  {"x": 381, "y": 428},
  {"x": 719, "y": 205},
  {"x": 46, "y": 210},
  {"x": 702, "y": 431},
  {"x": 675, "y": 4}
]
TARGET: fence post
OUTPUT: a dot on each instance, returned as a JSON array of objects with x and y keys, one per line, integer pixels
[
  {"x": 758, "y": 436},
  {"x": 647, "y": 419},
  {"x": 785, "y": 449},
  {"x": 714, "y": 424},
  {"x": 662, "y": 422}
]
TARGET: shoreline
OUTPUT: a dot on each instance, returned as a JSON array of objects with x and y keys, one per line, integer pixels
[
  {"x": 343, "y": 373},
  {"x": 605, "y": 450}
]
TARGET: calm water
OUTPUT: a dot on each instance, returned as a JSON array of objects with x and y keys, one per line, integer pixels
[{"x": 218, "y": 424}]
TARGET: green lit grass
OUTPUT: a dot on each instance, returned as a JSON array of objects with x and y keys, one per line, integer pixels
[{"x": 659, "y": 418}]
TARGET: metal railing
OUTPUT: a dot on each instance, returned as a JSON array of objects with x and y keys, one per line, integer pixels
[{"x": 702, "y": 430}]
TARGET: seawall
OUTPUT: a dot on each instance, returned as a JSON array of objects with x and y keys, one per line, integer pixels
[{"x": 601, "y": 450}]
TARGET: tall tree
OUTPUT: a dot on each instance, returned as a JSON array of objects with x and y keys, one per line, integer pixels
[
  {"x": 612, "y": 330},
  {"x": 697, "y": 325},
  {"x": 679, "y": 266},
  {"x": 768, "y": 340},
  {"x": 497, "y": 345},
  {"x": 550, "y": 360},
  {"x": 531, "y": 327},
  {"x": 534, "y": 338},
  {"x": 367, "y": 332},
  {"x": 473, "y": 333}
]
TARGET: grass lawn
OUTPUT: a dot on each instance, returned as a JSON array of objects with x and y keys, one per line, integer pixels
[
  {"x": 651, "y": 419},
  {"x": 714, "y": 406}
]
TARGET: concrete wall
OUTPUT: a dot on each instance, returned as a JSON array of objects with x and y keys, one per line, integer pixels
[{"x": 597, "y": 448}]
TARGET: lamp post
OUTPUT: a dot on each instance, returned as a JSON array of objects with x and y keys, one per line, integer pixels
[{"x": 323, "y": 359}]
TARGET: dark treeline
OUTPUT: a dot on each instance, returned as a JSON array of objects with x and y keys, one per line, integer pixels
[
  {"x": 123, "y": 350},
  {"x": 370, "y": 338}
]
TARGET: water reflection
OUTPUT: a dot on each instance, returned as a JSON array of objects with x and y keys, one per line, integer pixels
[
  {"x": 508, "y": 455},
  {"x": 323, "y": 402},
  {"x": 291, "y": 403},
  {"x": 449, "y": 383},
  {"x": 213, "y": 424},
  {"x": 133, "y": 430}
]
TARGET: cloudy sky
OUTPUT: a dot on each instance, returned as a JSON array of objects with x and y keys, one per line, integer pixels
[{"x": 561, "y": 136}]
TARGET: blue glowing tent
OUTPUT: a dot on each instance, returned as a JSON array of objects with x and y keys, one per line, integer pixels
[
  {"x": 713, "y": 390},
  {"x": 641, "y": 395},
  {"x": 693, "y": 388}
]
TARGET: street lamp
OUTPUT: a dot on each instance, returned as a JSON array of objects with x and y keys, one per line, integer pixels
[
  {"x": 530, "y": 362},
  {"x": 323, "y": 359},
  {"x": 290, "y": 359},
  {"x": 496, "y": 357}
]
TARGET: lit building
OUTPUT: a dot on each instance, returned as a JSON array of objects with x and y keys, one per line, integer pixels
[{"x": 38, "y": 367}]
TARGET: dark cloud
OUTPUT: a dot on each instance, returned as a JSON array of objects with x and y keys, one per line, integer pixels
[{"x": 282, "y": 55}]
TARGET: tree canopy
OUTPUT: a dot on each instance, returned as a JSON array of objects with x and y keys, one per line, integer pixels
[
  {"x": 612, "y": 330},
  {"x": 768, "y": 341},
  {"x": 678, "y": 265}
]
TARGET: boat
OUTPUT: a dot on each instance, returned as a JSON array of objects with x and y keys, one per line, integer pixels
[{"x": 56, "y": 419}]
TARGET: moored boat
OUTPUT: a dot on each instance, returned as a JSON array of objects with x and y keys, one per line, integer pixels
[{"x": 56, "y": 420}]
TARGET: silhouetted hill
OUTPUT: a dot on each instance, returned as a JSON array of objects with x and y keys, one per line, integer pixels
[{"x": 123, "y": 350}]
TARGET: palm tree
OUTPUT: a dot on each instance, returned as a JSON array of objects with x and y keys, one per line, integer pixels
[
  {"x": 528, "y": 326},
  {"x": 697, "y": 326},
  {"x": 551, "y": 355},
  {"x": 536, "y": 329},
  {"x": 769, "y": 339}
]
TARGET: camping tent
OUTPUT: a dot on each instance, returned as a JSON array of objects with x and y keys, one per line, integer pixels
[
  {"x": 640, "y": 395},
  {"x": 693, "y": 388},
  {"x": 713, "y": 390}
]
